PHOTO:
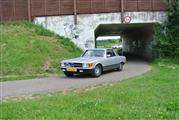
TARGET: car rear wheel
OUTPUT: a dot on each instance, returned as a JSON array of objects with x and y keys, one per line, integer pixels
[
  {"x": 68, "y": 74},
  {"x": 97, "y": 71},
  {"x": 120, "y": 68}
]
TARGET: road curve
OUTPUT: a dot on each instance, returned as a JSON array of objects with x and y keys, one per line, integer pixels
[{"x": 62, "y": 83}]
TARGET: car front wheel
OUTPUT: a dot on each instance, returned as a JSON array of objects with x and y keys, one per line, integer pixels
[
  {"x": 97, "y": 71},
  {"x": 120, "y": 68}
]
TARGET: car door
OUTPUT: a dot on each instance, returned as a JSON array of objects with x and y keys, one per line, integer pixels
[
  {"x": 117, "y": 58},
  {"x": 111, "y": 60}
]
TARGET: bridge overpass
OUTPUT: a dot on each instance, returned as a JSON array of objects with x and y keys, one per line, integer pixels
[{"x": 84, "y": 20}]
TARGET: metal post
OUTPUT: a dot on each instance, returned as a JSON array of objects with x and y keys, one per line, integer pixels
[
  {"x": 171, "y": 2},
  {"x": 59, "y": 7},
  {"x": 122, "y": 11},
  {"x": 14, "y": 10},
  {"x": 137, "y": 5},
  {"x": 45, "y": 7},
  {"x": 122, "y": 18},
  {"x": 75, "y": 12},
  {"x": 1, "y": 11},
  {"x": 91, "y": 6},
  {"x": 29, "y": 10},
  {"x": 152, "y": 5}
]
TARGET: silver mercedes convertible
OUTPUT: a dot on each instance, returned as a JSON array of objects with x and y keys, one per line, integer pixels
[{"x": 93, "y": 61}]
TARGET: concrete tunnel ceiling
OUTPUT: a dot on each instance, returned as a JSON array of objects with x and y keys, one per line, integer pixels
[
  {"x": 137, "y": 38},
  {"x": 120, "y": 29}
]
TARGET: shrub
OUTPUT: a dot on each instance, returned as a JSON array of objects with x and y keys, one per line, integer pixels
[{"x": 166, "y": 35}]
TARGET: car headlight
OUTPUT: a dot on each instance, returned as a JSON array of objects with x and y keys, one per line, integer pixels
[
  {"x": 88, "y": 65},
  {"x": 62, "y": 64}
]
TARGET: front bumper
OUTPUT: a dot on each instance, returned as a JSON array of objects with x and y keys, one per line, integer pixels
[{"x": 79, "y": 71}]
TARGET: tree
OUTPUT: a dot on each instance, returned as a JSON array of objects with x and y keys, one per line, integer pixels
[{"x": 167, "y": 35}]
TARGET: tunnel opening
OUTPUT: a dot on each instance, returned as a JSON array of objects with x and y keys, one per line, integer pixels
[
  {"x": 136, "y": 38},
  {"x": 108, "y": 42}
]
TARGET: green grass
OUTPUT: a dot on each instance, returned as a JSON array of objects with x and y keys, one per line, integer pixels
[
  {"x": 107, "y": 43},
  {"x": 153, "y": 96},
  {"x": 29, "y": 51}
]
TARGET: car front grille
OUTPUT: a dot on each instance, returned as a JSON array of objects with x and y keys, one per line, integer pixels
[{"x": 74, "y": 64}]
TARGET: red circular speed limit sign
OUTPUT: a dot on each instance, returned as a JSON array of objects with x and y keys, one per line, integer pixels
[{"x": 127, "y": 19}]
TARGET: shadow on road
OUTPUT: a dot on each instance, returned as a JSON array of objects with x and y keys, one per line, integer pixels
[{"x": 87, "y": 76}]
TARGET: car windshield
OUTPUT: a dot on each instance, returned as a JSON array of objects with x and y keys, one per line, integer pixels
[{"x": 94, "y": 53}]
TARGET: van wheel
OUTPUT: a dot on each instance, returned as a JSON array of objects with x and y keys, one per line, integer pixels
[{"x": 97, "y": 71}]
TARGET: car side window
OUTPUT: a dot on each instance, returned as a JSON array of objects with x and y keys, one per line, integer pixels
[{"x": 110, "y": 53}]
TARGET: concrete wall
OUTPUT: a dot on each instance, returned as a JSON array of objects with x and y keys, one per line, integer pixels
[{"x": 83, "y": 34}]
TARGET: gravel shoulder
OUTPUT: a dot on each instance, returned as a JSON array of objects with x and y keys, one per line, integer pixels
[{"x": 62, "y": 83}]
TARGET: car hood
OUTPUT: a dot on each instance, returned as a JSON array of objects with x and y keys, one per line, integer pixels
[{"x": 83, "y": 59}]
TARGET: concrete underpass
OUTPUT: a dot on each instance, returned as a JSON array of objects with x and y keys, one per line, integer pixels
[{"x": 136, "y": 38}]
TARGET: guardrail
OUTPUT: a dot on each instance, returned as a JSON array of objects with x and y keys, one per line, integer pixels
[{"x": 23, "y": 10}]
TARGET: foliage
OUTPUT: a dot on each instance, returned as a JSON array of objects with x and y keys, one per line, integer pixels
[
  {"x": 119, "y": 50},
  {"x": 153, "y": 96},
  {"x": 107, "y": 43},
  {"x": 29, "y": 50},
  {"x": 167, "y": 35}
]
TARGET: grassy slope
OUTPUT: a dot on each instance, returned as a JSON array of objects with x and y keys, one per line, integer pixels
[
  {"x": 154, "y": 96},
  {"x": 27, "y": 49}
]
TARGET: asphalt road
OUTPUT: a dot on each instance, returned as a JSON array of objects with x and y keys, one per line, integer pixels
[{"x": 62, "y": 83}]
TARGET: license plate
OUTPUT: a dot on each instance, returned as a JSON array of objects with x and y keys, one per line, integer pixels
[{"x": 72, "y": 70}]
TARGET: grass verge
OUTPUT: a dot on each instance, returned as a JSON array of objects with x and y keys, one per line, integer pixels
[
  {"x": 153, "y": 96},
  {"x": 29, "y": 50}
]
